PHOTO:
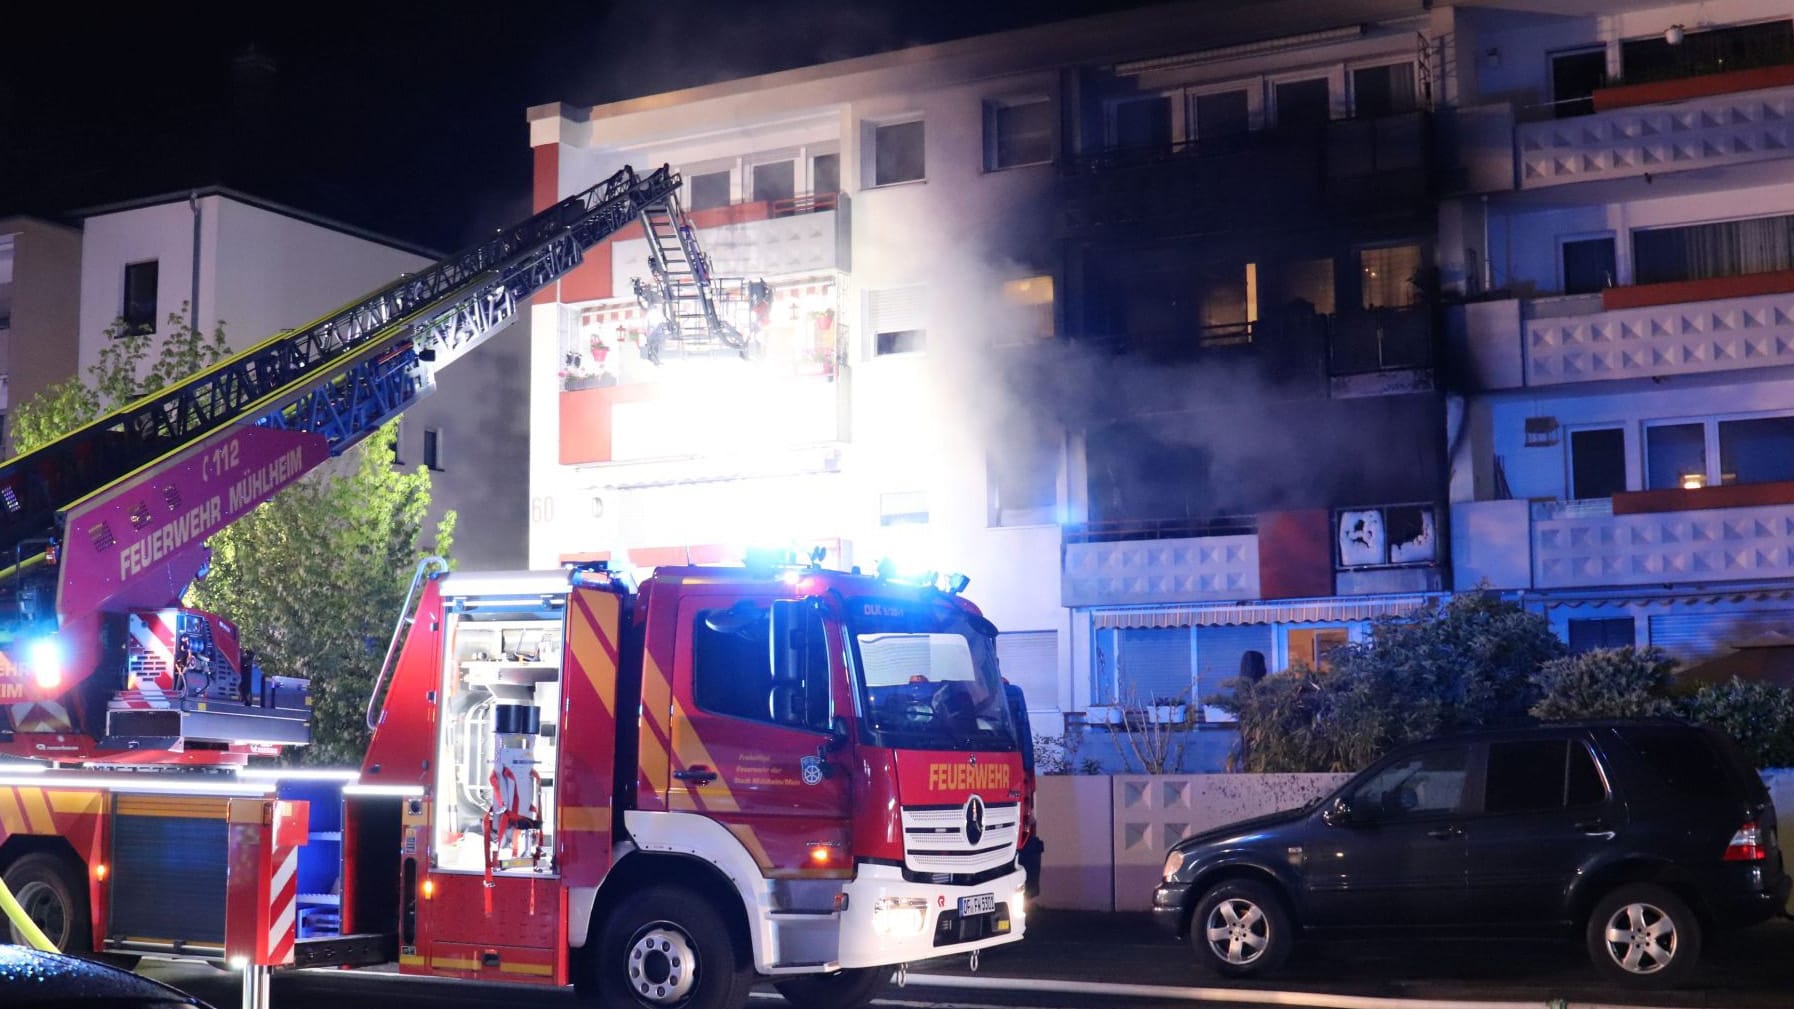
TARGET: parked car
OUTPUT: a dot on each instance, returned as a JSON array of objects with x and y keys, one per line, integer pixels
[
  {"x": 1642, "y": 836},
  {"x": 32, "y": 978}
]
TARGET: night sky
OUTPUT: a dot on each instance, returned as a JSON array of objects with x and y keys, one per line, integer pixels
[{"x": 407, "y": 119}]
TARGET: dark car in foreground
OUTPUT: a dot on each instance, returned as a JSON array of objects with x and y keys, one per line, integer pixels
[
  {"x": 32, "y": 979},
  {"x": 1641, "y": 836}
]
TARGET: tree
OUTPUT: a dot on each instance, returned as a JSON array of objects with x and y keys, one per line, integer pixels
[{"x": 313, "y": 578}]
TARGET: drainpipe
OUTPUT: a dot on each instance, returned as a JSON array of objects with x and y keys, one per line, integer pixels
[{"x": 193, "y": 303}]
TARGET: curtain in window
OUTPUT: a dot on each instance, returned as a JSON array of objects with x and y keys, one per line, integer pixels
[{"x": 1720, "y": 249}]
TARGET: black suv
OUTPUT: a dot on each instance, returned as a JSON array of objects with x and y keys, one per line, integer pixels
[{"x": 1642, "y": 835}]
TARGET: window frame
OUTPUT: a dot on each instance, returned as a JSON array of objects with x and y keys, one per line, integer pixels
[
  {"x": 148, "y": 324},
  {"x": 869, "y": 161},
  {"x": 994, "y": 105},
  {"x": 708, "y": 604},
  {"x": 1256, "y": 108},
  {"x": 1563, "y": 280},
  {"x": 1710, "y": 441},
  {"x": 704, "y": 171},
  {"x": 1569, "y": 443},
  {"x": 432, "y": 449},
  {"x": 1334, "y": 74},
  {"x": 1377, "y": 63}
]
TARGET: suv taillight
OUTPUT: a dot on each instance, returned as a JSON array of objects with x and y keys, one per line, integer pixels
[{"x": 1746, "y": 845}]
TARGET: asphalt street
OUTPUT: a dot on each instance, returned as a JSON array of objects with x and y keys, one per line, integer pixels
[{"x": 1073, "y": 959}]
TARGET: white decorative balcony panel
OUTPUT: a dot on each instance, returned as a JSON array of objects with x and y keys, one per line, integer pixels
[
  {"x": 1713, "y": 545},
  {"x": 1205, "y": 569},
  {"x": 1680, "y": 339},
  {"x": 776, "y": 247},
  {"x": 1696, "y": 133}
]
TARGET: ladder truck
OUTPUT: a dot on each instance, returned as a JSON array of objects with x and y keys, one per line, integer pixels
[{"x": 656, "y": 792}]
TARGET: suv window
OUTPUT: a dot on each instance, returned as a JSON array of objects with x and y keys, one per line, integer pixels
[
  {"x": 1687, "y": 761},
  {"x": 1426, "y": 782},
  {"x": 1533, "y": 775}
]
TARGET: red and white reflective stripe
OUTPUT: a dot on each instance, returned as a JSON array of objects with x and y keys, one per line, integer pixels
[
  {"x": 146, "y": 696},
  {"x": 283, "y": 906}
]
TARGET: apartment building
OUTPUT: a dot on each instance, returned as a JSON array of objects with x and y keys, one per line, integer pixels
[
  {"x": 40, "y": 265},
  {"x": 1624, "y": 235},
  {"x": 217, "y": 257},
  {"x": 1132, "y": 319}
]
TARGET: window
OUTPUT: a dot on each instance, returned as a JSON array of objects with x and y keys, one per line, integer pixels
[
  {"x": 1172, "y": 664},
  {"x": 708, "y": 190},
  {"x": 139, "y": 311},
  {"x": 1313, "y": 647},
  {"x": 1383, "y": 91},
  {"x": 432, "y": 449},
  {"x": 1303, "y": 103},
  {"x": 1758, "y": 450},
  {"x": 1022, "y": 477},
  {"x": 1030, "y": 660},
  {"x": 1428, "y": 782},
  {"x": 1031, "y": 299},
  {"x": 1538, "y": 775},
  {"x": 1574, "y": 78},
  {"x": 1222, "y": 114},
  {"x": 1229, "y": 302},
  {"x": 897, "y": 321},
  {"x": 775, "y": 180},
  {"x": 897, "y": 153},
  {"x": 1675, "y": 456},
  {"x": 1386, "y": 276},
  {"x": 903, "y": 508},
  {"x": 1684, "y": 762},
  {"x": 1606, "y": 632},
  {"x": 1018, "y": 133},
  {"x": 1719, "y": 249},
  {"x": 825, "y": 173},
  {"x": 1142, "y": 124},
  {"x": 1588, "y": 265},
  {"x": 1308, "y": 282},
  {"x": 732, "y": 672},
  {"x": 1738, "y": 47},
  {"x": 1597, "y": 463},
  {"x": 1384, "y": 537}
]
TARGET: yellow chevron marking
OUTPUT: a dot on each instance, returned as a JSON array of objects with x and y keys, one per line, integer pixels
[
  {"x": 82, "y": 803},
  {"x": 656, "y": 702},
  {"x": 537, "y": 969},
  {"x": 751, "y": 841},
  {"x": 592, "y": 818},
  {"x": 37, "y": 811},
  {"x": 12, "y": 821},
  {"x": 718, "y": 797},
  {"x": 589, "y": 652},
  {"x": 454, "y": 963},
  {"x": 408, "y": 960}
]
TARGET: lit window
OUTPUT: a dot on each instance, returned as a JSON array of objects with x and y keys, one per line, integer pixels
[
  {"x": 1018, "y": 132},
  {"x": 1032, "y": 301},
  {"x": 1387, "y": 276},
  {"x": 897, "y": 150}
]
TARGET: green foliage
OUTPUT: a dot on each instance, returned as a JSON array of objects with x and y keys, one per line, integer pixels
[
  {"x": 1760, "y": 716},
  {"x": 1462, "y": 665},
  {"x": 314, "y": 577},
  {"x": 1060, "y": 755},
  {"x": 1605, "y": 683}
]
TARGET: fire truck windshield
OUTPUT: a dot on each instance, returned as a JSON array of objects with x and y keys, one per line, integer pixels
[{"x": 928, "y": 676}]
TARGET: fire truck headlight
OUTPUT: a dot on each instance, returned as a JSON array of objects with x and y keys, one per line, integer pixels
[
  {"x": 45, "y": 657},
  {"x": 900, "y": 915}
]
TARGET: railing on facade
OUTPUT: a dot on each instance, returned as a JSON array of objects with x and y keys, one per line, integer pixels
[
  {"x": 1546, "y": 510},
  {"x": 784, "y": 206},
  {"x": 1364, "y": 145},
  {"x": 1380, "y": 339},
  {"x": 1122, "y": 530},
  {"x": 1694, "y": 60}
]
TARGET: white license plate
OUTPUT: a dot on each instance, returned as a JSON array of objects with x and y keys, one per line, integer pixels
[{"x": 981, "y": 903}]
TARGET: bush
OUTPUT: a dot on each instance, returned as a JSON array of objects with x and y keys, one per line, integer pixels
[
  {"x": 1760, "y": 716},
  {"x": 1605, "y": 683}
]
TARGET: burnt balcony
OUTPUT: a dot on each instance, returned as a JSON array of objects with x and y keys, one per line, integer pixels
[
  {"x": 1280, "y": 178},
  {"x": 1381, "y": 351}
]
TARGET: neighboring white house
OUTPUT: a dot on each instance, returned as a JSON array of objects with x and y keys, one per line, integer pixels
[
  {"x": 1625, "y": 452},
  {"x": 217, "y": 257}
]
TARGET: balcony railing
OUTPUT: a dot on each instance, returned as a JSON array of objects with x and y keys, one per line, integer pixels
[
  {"x": 1380, "y": 339},
  {"x": 1121, "y": 530}
]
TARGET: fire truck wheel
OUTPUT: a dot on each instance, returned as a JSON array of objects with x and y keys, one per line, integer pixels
[
  {"x": 54, "y": 895},
  {"x": 846, "y": 989},
  {"x": 665, "y": 948}
]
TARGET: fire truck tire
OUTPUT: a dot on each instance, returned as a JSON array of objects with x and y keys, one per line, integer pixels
[
  {"x": 846, "y": 989},
  {"x": 664, "y": 947},
  {"x": 53, "y": 893}
]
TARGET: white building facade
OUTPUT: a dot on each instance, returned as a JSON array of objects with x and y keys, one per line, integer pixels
[
  {"x": 219, "y": 258},
  {"x": 1624, "y": 455}
]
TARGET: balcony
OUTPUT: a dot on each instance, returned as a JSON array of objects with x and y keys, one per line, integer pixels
[
  {"x": 1381, "y": 352},
  {"x": 1554, "y": 341},
  {"x": 1267, "y": 179},
  {"x": 1695, "y": 129},
  {"x": 1123, "y": 563},
  {"x": 769, "y": 238},
  {"x": 1584, "y": 544}
]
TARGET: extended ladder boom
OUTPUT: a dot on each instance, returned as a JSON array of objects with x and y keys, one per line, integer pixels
[{"x": 339, "y": 377}]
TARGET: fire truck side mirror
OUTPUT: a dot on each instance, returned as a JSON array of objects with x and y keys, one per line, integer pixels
[{"x": 789, "y": 640}]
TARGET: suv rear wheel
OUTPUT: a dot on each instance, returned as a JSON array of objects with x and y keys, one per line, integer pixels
[
  {"x": 1645, "y": 936},
  {"x": 1242, "y": 929}
]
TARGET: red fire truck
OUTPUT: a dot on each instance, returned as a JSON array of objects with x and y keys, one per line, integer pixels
[{"x": 656, "y": 793}]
